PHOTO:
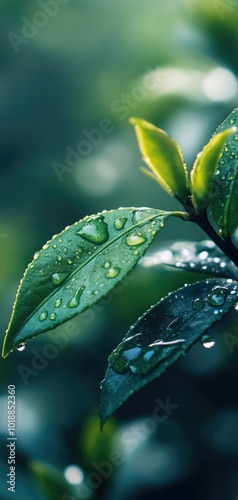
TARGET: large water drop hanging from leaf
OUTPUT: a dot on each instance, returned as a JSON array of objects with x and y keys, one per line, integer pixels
[
  {"x": 208, "y": 341},
  {"x": 21, "y": 347}
]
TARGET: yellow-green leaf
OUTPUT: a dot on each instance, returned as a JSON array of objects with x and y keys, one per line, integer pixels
[
  {"x": 202, "y": 175},
  {"x": 164, "y": 158}
]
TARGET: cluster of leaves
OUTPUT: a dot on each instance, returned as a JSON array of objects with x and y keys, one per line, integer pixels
[{"x": 86, "y": 260}]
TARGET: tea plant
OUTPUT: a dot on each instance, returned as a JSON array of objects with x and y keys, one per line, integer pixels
[{"x": 79, "y": 266}]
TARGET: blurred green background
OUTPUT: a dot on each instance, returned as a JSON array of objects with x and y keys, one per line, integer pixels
[{"x": 67, "y": 68}]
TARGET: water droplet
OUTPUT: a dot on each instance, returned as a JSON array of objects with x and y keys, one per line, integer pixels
[
  {"x": 230, "y": 176},
  {"x": 45, "y": 246},
  {"x": 58, "y": 302},
  {"x": 236, "y": 306},
  {"x": 208, "y": 341},
  {"x": 217, "y": 296},
  {"x": 59, "y": 258},
  {"x": 21, "y": 347},
  {"x": 235, "y": 137},
  {"x": 139, "y": 215},
  {"x": 58, "y": 278},
  {"x": 54, "y": 246},
  {"x": 125, "y": 353},
  {"x": 197, "y": 304},
  {"x": 52, "y": 316},
  {"x": 120, "y": 223},
  {"x": 43, "y": 316},
  {"x": 232, "y": 121},
  {"x": 36, "y": 255},
  {"x": 95, "y": 231},
  {"x": 113, "y": 272},
  {"x": 70, "y": 261},
  {"x": 74, "y": 302},
  {"x": 203, "y": 255},
  {"x": 106, "y": 264},
  {"x": 135, "y": 240}
]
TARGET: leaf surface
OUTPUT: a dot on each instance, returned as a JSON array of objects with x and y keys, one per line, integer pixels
[
  {"x": 78, "y": 267},
  {"x": 164, "y": 158},
  {"x": 203, "y": 257},
  {"x": 161, "y": 336},
  {"x": 202, "y": 175},
  {"x": 225, "y": 195}
]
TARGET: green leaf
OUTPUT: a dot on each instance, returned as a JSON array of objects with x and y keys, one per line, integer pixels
[
  {"x": 164, "y": 158},
  {"x": 161, "y": 336},
  {"x": 203, "y": 257},
  {"x": 225, "y": 195},
  {"x": 78, "y": 267},
  {"x": 202, "y": 175}
]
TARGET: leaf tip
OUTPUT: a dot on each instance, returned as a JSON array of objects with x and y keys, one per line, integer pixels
[
  {"x": 5, "y": 349},
  {"x": 135, "y": 121}
]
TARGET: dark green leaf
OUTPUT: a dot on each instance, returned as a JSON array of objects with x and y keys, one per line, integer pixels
[
  {"x": 161, "y": 336},
  {"x": 78, "y": 267},
  {"x": 164, "y": 158},
  {"x": 225, "y": 196},
  {"x": 202, "y": 175},
  {"x": 203, "y": 257}
]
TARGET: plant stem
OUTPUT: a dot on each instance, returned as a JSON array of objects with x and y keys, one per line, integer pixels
[{"x": 227, "y": 246}]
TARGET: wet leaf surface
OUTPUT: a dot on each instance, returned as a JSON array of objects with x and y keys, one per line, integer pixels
[
  {"x": 161, "y": 336},
  {"x": 225, "y": 197},
  {"x": 78, "y": 267},
  {"x": 203, "y": 257}
]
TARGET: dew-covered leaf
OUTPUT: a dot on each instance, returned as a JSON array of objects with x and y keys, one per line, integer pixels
[
  {"x": 202, "y": 175},
  {"x": 78, "y": 267},
  {"x": 164, "y": 158},
  {"x": 225, "y": 195},
  {"x": 161, "y": 336},
  {"x": 203, "y": 257}
]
